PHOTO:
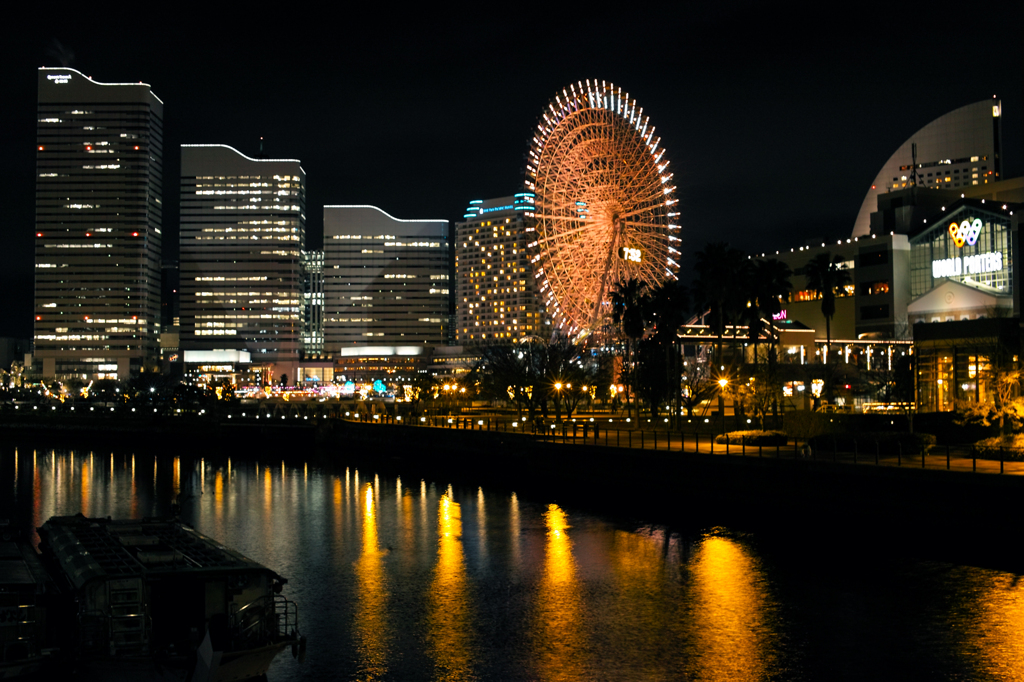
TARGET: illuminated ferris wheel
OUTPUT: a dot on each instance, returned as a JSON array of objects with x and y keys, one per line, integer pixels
[{"x": 605, "y": 207}]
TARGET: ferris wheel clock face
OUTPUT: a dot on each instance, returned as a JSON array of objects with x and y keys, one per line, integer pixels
[{"x": 605, "y": 209}]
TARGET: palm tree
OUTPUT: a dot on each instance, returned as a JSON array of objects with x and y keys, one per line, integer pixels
[
  {"x": 825, "y": 275},
  {"x": 768, "y": 286},
  {"x": 721, "y": 273},
  {"x": 719, "y": 286},
  {"x": 669, "y": 306},
  {"x": 629, "y": 301}
]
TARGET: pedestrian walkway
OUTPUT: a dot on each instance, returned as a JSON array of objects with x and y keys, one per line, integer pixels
[{"x": 584, "y": 433}]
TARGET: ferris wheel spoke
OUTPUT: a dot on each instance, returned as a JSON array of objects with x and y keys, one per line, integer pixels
[{"x": 656, "y": 226}]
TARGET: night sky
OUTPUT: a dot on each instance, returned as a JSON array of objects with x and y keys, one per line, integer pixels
[{"x": 775, "y": 119}]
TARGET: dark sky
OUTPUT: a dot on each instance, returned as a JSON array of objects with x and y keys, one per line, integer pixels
[{"x": 776, "y": 118}]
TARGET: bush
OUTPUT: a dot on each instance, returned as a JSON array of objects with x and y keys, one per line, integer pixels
[
  {"x": 804, "y": 424},
  {"x": 888, "y": 442},
  {"x": 1009, "y": 447},
  {"x": 753, "y": 438}
]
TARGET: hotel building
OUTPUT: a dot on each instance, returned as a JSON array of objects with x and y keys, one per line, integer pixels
[
  {"x": 386, "y": 290},
  {"x": 99, "y": 166},
  {"x": 243, "y": 230},
  {"x": 496, "y": 299}
]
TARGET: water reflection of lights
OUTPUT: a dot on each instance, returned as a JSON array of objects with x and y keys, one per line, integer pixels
[
  {"x": 268, "y": 490},
  {"x": 986, "y": 621},
  {"x": 449, "y": 623},
  {"x": 85, "y": 481},
  {"x": 481, "y": 526},
  {"x": 580, "y": 599},
  {"x": 218, "y": 498},
  {"x": 732, "y": 614},
  {"x": 177, "y": 476},
  {"x": 514, "y": 526},
  {"x": 371, "y": 610},
  {"x": 560, "y": 646}
]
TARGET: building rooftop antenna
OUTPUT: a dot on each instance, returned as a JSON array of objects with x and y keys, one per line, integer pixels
[{"x": 913, "y": 164}]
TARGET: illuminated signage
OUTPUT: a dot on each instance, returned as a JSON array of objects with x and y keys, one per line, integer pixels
[
  {"x": 781, "y": 315},
  {"x": 966, "y": 232},
  {"x": 968, "y": 265},
  {"x": 628, "y": 253},
  {"x": 59, "y": 78}
]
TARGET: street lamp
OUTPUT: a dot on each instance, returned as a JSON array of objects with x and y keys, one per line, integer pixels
[{"x": 722, "y": 383}]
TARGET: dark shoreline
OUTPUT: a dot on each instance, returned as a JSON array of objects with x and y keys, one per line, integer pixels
[{"x": 950, "y": 516}]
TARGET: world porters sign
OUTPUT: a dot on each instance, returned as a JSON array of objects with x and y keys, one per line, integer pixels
[{"x": 968, "y": 265}]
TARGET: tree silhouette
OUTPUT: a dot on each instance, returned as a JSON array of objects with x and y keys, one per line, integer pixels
[
  {"x": 721, "y": 274},
  {"x": 630, "y": 301},
  {"x": 824, "y": 275},
  {"x": 668, "y": 307},
  {"x": 768, "y": 284}
]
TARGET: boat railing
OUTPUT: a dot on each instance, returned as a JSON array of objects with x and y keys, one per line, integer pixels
[
  {"x": 21, "y": 640},
  {"x": 264, "y": 619},
  {"x": 287, "y": 613},
  {"x": 249, "y": 625}
]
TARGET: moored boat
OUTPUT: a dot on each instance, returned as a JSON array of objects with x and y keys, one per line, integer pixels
[
  {"x": 22, "y": 609},
  {"x": 156, "y": 588}
]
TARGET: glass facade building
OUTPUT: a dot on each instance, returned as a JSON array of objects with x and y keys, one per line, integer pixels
[
  {"x": 243, "y": 230},
  {"x": 99, "y": 175},
  {"x": 312, "y": 303},
  {"x": 970, "y": 245}
]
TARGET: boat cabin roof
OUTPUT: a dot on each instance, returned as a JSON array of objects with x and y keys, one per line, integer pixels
[{"x": 103, "y": 548}]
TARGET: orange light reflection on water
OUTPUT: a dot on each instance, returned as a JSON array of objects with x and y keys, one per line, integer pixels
[
  {"x": 449, "y": 624},
  {"x": 559, "y": 643},
  {"x": 268, "y": 494},
  {"x": 85, "y": 502},
  {"x": 731, "y": 613},
  {"x": 218, "y": 500},
  {"x": 986, "y": 620},
  {"x": 371, "y": 610}
]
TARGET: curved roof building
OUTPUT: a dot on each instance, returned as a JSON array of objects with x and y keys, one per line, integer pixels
[
  {"x": 961, "y": 148},
  {"x": 242, "y": 230},
  {"x": 99, "y": 181}
]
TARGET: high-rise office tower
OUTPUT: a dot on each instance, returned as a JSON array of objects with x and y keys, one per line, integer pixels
[
  {"x": 386, "y": 286},
  {"x": 312, "y": 303},
  {"x": 99, "y": 175},
  {"x": 496, "y": 300},
  {"x": 243, "y": 230}
]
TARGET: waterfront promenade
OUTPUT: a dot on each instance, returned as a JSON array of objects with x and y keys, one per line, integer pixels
[
  {"x": 650, "y": 473},
  {"x": 692, "y": 438}
]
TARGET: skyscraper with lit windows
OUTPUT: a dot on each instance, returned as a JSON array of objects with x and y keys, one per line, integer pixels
[
  {"x": 496, "y": 299},
  {"x": 386, "y": 290},
  {"x": 99, "y": 175},
  {"x": 243, "y": 230}
]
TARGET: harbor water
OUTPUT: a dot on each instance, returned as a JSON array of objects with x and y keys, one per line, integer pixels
[{"x": 419, "y": 579}]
